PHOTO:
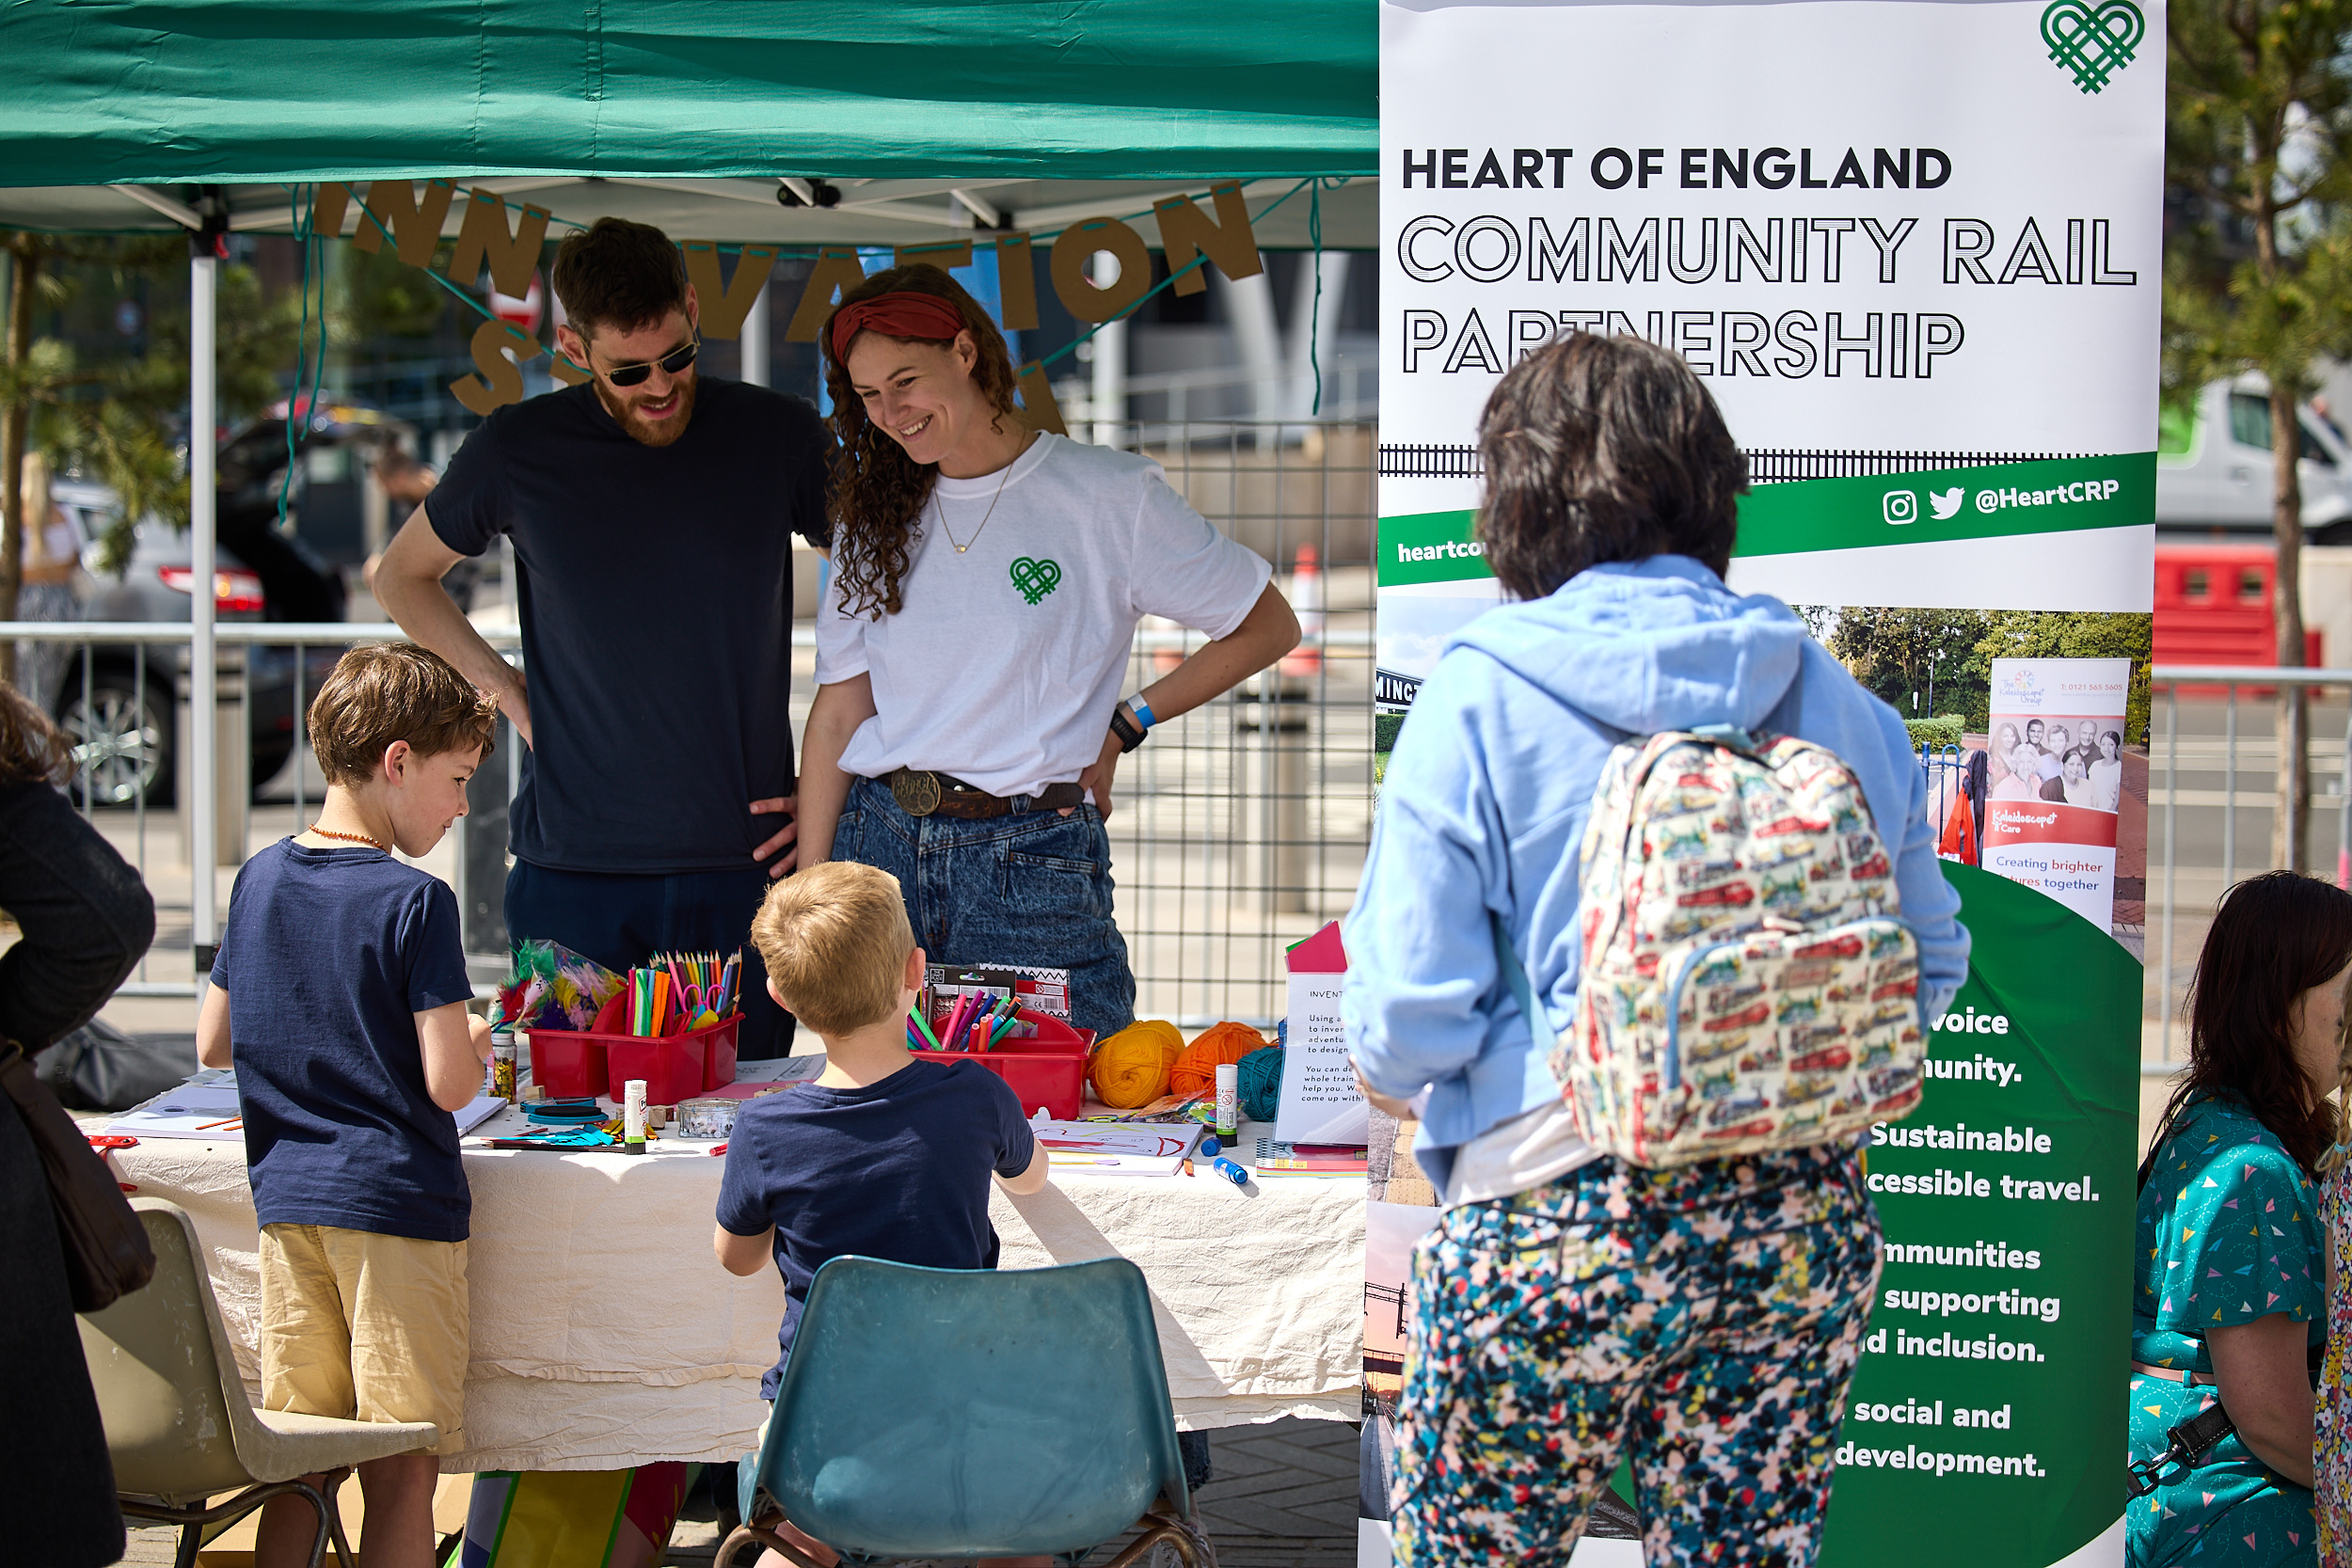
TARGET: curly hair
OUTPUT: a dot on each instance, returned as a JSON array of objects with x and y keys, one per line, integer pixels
[
  {"x": 878, "y": 491},
  {"x": 1603, "y": 449},
  {"x": 2273, "y": 937}
]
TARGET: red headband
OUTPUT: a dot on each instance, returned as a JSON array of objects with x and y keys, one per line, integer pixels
[{"x": 904, "y": 314}]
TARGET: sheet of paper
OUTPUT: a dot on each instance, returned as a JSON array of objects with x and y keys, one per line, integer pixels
[
  {"x": 1319, "y": 1103},
  {"x": 197, "y": 1111},
  {"x": 220, "y": 1099},
  {"x": 212, "y": 1126},
  {"x": 1117, "y": 1148},
  {"x": 781, "y": 1069}
]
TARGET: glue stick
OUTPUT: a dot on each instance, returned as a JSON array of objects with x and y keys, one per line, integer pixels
[
  {"x": 633, "y": 1117},
  {"x": 1237, "y": 1175},
  {"x": 1228, "y": 1100},
  {"x": 502, "y": 1062}
]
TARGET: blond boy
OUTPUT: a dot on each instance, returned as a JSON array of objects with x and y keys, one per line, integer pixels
[
  {"x": 340, "y": 995},
  {"x": 881, "y": 1155}
]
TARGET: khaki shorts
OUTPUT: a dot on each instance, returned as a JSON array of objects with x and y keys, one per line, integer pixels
[{"x": 364, "y": 1327}]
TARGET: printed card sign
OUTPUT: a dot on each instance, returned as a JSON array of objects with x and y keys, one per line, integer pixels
[
  {"x": 1319, "y": 1101},
  {"x": 2056, "y": 777}
]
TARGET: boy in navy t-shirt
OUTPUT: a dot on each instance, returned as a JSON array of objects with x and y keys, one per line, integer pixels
[
  {"x": 883, "y": 1155},
  {"x": 340, "y": 996}
]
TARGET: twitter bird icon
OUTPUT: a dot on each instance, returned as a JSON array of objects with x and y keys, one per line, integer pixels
[{"x": 1943, "y": 503}]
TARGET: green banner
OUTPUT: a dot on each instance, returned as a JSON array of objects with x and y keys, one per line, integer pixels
[
  {"x": 2053, "y": 495},
  {"x": 2056, "y": 496},
  {"x": 1432, "y": 547},
  {"x": 1985, "y": 1427}
]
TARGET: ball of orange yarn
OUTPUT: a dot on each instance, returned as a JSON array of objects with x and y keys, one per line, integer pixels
[
  {"x": 1130, "y": 1069},
  {"x": 1195, "y": 1071}
]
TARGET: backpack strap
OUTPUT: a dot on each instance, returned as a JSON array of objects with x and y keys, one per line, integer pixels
[{"x": 1515, "y": 976}]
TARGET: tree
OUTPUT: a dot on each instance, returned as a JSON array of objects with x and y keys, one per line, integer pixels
[
  {"x": 2260, "y": 116},
  {"x": 2074, "y": 634},
  {"x": 121, "y": 419},
  {"x": 1894, "y": 652}
]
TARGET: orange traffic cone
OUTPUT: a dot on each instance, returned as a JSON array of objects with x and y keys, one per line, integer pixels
[{"x": 1307, "y": 602}]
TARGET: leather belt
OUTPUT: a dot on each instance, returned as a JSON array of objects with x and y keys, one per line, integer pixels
[
  {"x": 923, "y": 793},
  {"x": 2172, "y": 1374}
]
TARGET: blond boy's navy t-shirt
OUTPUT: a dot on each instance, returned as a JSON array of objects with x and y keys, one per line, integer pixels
[
  {"x": 656, "y": 590},
  {"x": 328, "y": 956},
  {"x": 896, "y": 1170}
]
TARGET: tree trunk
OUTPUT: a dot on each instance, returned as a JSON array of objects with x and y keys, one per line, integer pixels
[
  {"x": 15, "y": 423},
  {"x": 2290, "y": 834}
]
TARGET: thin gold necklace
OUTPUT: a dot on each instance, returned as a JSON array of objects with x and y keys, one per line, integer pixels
[
  {"x": 351, "y": 838},
  {"x": 992, "y": 501}
]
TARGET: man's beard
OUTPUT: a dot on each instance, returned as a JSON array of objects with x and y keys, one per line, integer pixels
[{"x": 651, "y": 433}]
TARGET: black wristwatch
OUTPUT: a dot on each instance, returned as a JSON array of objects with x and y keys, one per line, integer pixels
[{"x": 1130, "y": 732}]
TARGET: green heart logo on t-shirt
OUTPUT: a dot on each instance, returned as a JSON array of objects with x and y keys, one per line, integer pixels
[{"x": 1036, "y": 579}]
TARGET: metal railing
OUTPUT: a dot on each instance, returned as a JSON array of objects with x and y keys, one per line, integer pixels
[
  {"x": 124, "y": 700},
  {"x": 2203, "y": 738},
  {"x": 1160, "y": 405},
  {"x": 1240, "y": 828}
]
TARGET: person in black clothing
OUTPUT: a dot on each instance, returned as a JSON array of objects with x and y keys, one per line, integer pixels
[
  {"x": 651, "y": 511},
  {"x": 84, "y": 918}
]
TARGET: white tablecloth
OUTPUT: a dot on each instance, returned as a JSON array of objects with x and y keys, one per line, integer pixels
[{"x": 606, "y": 1335}]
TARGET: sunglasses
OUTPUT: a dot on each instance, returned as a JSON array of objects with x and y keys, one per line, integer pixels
[{"x": 671, "y": 363}]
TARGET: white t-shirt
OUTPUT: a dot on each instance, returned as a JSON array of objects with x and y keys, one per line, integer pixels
[
  {"x": 1530, "y": 1149},
  {"x": 1005, "y": 663}
]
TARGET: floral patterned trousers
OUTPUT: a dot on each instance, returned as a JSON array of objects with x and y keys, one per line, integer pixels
[{"x": 1701, "y": 1323}]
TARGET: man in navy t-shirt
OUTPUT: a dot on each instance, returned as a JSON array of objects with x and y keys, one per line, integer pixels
[
  {"x": 884, "y": 1155},
  {"x": 651, "y": 511}
]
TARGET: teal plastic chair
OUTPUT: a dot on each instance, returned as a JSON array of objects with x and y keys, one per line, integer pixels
[{"x": 952, "y": 1413}]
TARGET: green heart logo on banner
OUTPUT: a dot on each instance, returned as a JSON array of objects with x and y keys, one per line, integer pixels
[
  {"x": 2092, "y": 41},
  {"x": 1036, "y": 579}
]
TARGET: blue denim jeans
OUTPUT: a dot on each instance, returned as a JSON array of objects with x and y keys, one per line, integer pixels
[{"x": 1031, "y": 887}]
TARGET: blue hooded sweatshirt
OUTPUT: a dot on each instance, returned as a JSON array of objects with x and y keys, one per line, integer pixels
[{"x": 1484, "y": 804}]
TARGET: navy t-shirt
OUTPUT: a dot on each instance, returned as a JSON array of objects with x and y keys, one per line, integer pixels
[
  {"x": 328, "y": 958},
  {"x": 896, "y": 1170},
  {"x": 656, "y": 590}
]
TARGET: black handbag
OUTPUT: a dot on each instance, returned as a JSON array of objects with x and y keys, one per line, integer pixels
[{"x": 106, "y": 1251}]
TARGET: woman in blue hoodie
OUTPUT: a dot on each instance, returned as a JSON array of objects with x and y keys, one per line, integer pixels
[{"x": 1572, "y": 1310}]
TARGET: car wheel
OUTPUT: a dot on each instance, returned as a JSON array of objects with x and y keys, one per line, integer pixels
[{"x": 122, "y": 740}]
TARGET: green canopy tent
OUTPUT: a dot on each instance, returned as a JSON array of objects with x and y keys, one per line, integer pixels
[{"x": 121, "y": 115}]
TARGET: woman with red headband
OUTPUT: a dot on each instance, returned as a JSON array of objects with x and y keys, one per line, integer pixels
[{"x": 974, "y": 635}]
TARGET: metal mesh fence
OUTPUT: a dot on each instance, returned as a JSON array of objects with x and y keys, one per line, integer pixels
[{"x": 1240, "y": 828}]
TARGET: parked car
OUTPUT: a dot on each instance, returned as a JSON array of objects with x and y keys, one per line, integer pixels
[
  {"x": 121, "y": 719},
  {"x": 2214, "y": 470}
]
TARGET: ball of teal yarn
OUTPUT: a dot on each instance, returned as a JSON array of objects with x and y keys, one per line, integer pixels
[{"x": 1259, "y": 1080}]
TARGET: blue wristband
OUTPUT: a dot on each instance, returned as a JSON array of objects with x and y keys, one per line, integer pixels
[{"x": 1141, "y": 710}]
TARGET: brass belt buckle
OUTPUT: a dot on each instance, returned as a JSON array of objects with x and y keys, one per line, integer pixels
[{"x": 916, "y": 791}]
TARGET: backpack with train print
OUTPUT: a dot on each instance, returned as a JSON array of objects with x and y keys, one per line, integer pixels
[{"x": 1747, "y": 983}]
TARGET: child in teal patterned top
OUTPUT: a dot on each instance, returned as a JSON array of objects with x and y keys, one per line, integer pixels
[{"x": 2229, "y": 1254}]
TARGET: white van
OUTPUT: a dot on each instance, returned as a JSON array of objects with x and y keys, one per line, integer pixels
[{"x": 2214, "y": 469}]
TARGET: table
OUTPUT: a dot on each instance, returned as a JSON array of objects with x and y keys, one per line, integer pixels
[{"x": 605, "y": 1334}]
